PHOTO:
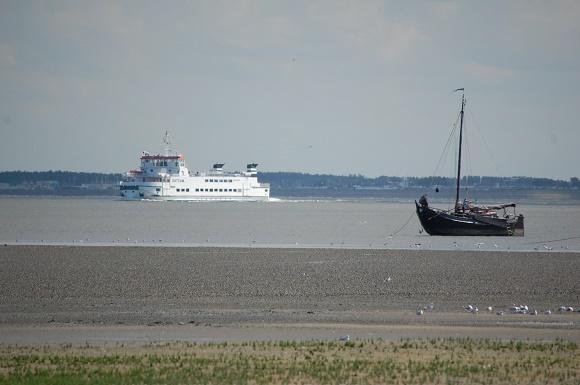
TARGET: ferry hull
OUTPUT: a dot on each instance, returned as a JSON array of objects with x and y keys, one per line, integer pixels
[{"x": 195, "y": 198}]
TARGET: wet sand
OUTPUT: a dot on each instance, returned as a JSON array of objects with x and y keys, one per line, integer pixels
[{"x": 119, "y": 293}]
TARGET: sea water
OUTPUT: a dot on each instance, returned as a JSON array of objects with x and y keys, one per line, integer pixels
[{"x": 364, "y": 223}]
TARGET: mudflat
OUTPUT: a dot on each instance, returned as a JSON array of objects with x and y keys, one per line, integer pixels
[{"x": 289, "y": 290}]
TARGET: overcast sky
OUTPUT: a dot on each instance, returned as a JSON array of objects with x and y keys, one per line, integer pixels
[{"x": 343, "y": 87}]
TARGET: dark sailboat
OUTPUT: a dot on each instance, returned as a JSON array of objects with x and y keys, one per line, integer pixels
[{"x": 466, "y": 218}]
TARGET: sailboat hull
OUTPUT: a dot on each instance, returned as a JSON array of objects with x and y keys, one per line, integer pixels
[{"x": 438, "y": 222}]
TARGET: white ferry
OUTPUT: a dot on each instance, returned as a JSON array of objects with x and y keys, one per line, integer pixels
[{"x": 166, "y": 177}]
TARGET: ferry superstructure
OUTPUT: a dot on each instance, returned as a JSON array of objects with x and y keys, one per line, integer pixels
[{"x": 166, "y": 177}]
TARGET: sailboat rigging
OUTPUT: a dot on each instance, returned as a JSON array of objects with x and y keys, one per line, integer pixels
[{"x": 466, "y": 218}]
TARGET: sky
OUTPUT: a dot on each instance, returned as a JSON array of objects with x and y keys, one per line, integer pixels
[{"x": 341, "y": 87}]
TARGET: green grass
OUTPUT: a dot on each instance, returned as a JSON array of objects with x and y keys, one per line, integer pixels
[{"x": 433, "y": 361}]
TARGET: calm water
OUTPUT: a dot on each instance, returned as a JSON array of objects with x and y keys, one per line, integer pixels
[{"x": 366, "y": 224}]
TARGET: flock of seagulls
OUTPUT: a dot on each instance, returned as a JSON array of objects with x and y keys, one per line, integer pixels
[
  {"x": 410, "y": 245},
  {"x": 514, "y": 309},
  {"x": 476, "y": 245}
]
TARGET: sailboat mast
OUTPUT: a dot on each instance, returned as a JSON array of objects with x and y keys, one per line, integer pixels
[{"x": 459, "y": 157}]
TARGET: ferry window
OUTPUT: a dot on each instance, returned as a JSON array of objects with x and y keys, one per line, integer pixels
[
  {"x": 266, "y": 190},
  {"x": 221, "y": 190},
  {"x": 187, "y": 190},
  {"x": 206, "y": 181},
  {"x": 157, "y": 189}
]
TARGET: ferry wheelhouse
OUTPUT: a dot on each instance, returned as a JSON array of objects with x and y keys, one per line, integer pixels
[{"x": 166, "y": 177}]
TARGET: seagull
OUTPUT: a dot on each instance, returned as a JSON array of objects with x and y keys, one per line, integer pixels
[
  {"x": 489, "y": 309},
  {"x": 388, "y": 279},
  {"x": 547, "y": 247},
  {"x": 420, "y": 312},
  {"x": 548, "y": 312},
  {"x": 499, "y": 313}
]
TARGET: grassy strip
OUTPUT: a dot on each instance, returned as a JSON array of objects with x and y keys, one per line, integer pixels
[{"x": 433, "y": 361}]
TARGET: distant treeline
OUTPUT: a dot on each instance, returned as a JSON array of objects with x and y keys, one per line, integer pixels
[
  {"x": 295, "y": 180},
  {"x": 63, "y": 178},
  {"x": 57, "y": 180}
]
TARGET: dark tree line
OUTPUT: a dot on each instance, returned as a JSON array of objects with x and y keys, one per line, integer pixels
[
  {"x": 296, "y": 180},
  {"x": 63, "y": 178}
]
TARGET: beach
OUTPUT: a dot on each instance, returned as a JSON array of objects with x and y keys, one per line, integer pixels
[{"x": 256, "y": 293}]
